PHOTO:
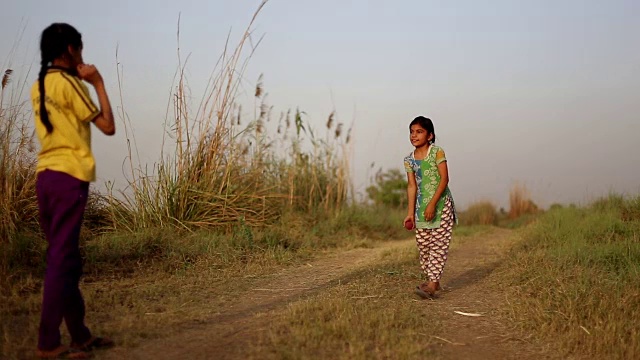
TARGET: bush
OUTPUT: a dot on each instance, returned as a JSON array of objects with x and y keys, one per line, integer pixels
[
  {"x": 520, "y": 202},
  {"x": 480, "y": 213}
]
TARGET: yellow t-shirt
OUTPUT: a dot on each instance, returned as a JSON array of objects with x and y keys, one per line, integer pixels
[{"x": 68, "y": 147}]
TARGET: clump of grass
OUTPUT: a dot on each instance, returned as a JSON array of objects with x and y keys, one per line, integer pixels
[
  {"x": 207, "y": 181},
  {"x": 220, "y": 172},
  {"x": 522, "y": 211},
  {"x": 310, "y": 171},
  {"x": 575, "y": 278},
  {"x": 520, "y": 202},
  {"x": 18, "y": 205},
  {"x": 480, "y": 213}
]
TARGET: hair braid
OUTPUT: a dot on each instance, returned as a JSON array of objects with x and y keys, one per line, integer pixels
[{"x": 44, "y": 115}]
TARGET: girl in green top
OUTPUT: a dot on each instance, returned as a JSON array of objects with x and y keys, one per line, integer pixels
[{"x": 431, "y": 210}]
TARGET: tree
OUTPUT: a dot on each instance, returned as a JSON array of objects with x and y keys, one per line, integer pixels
[{"x": 389, "y": 189}]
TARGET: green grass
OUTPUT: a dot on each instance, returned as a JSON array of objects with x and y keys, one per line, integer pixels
[
  {"x": 471, "y": 230},
  {"x": 574, "y": 280}
]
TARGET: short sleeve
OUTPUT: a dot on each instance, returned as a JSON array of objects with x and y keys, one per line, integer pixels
[
  {"x": 440, "y": 157},
  {"x": 77, "y": 95},
  {"x": 407, "y": 165}
]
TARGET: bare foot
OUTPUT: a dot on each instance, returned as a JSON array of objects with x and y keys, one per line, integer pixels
[
  {"x": 432, "y": 287},
  {"x": 428, "y": 288},
  {"x": 63, "y": 352}
]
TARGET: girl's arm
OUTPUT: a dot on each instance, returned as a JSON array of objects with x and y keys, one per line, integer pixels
[
  {"x": 104, "y": 121},
  {"x": 412, "y": 188},
  {"x": 443, "y": 170}
]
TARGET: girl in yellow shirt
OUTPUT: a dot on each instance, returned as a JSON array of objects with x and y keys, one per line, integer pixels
[{"x": 63, "y": 112}]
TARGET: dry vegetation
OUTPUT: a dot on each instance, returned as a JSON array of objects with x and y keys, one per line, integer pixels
[
  {"x": 223, "y": 167},
  {"x": 520, "y": 202},
  {"x": 522, "y": 210},
  {"x": 480, "y": 213},
  {"x": 18, "y": 207},
  {"x": 574, "y": 279}
]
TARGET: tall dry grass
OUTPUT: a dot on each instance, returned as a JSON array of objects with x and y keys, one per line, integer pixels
[
  {"x": 223, "y": 169},
  {"x": 520, "y": 202},
  {"x": 317, "y": 179},
  {"x": 480, "y": 213},
  {"x": 18, "y": 205},
  {"x": 522, "y": 211},
  {"x": 204, "y": 181},
  {"x": 19, "y": 227}
]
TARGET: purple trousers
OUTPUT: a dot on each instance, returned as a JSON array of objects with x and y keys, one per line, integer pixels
[{"x": 62, "y": 200}]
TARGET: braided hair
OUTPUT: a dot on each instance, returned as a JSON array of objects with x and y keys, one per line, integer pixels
[{"x": 54, "y": 43}]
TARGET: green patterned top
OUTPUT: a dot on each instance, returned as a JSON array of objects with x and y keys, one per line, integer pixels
[{"x": 427, "y": 180}]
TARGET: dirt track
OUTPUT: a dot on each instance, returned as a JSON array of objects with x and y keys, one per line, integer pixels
[{"x": 466, "y": 289}]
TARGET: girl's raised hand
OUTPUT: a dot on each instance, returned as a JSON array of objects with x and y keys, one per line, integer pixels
[{"x": 89, "y": 73}]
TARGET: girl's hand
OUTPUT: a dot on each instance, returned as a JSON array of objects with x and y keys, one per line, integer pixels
[
  {"x": 89, "y": 73},
  {"x": 430, "y": 212},
  {"x": 409, "y": 218}
]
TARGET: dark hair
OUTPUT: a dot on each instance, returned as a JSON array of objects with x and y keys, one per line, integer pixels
[
  {"x": 426, "y": 124},
  {"x": 54, "y": 43}
]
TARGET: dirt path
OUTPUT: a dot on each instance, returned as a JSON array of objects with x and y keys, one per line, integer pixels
[
  {"x": 229, "y": 332},
  {"x": 224, "y": 333},
  {"x": 468, "y": 289}
]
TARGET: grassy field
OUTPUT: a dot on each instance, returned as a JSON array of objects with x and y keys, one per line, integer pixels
[{"x": 575, "y": 279}]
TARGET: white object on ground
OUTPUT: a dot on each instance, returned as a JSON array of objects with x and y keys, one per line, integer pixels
[{"x": 467, "y": 314}]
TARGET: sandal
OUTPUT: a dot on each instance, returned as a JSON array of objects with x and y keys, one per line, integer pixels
[
  {"x": 63, "y": 352},
  {"x": 94, "y": 343}
]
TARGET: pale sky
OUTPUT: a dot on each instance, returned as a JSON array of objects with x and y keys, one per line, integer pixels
[{"x": 546, "y": 93}]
